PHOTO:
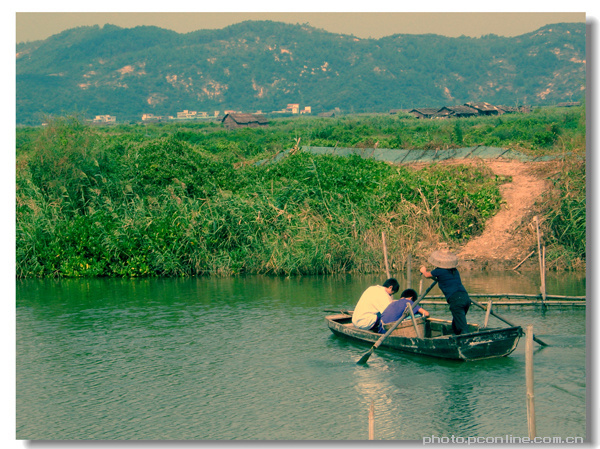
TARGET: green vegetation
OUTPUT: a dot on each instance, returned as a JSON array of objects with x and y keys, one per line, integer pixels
[
  {"x": 565, "y": 208},
  {"x": 193, "y": 199}
]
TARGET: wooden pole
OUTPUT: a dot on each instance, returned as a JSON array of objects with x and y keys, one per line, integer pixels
[
  {"x": 529, "y": 380},
  {"x": 521, "y": 263},
  {"x": 372, "y": 422},
  {"x": 414, "y": 320},
  {"x": 517, "y": 295},
  {"x": 539, "y": 243},
  {"x": 409, "y": 271},
  {"x": 541, "y": 260},
  {"x": 544, "y": 276},
  {"x": 387, "y": 267},
  {"x": 487, "y": 313}
]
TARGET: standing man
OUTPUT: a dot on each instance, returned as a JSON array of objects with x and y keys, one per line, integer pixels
[
  {"x": 372, "y": 303},
  {"x": 451, "y": 285}
]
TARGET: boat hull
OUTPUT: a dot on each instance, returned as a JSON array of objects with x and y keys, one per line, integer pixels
[{"x": 435, "y": 338}]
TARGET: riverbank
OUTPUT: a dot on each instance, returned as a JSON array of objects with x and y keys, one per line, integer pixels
[
  {"x": 510, "y": 236},
  {"x": 515, "y": 235},
  {"x": 165, "y": 201}
]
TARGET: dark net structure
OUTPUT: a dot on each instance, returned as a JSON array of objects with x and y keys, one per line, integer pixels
[{"x": 421, "y": 156}]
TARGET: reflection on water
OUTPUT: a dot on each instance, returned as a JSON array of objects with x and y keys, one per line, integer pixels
[{"x": 251, "y": 358}]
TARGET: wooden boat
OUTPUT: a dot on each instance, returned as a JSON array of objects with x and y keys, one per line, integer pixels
[{"x": 434, "y": 337}]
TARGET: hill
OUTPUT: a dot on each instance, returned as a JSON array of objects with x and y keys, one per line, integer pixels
[{"x": 264, "y": 65}]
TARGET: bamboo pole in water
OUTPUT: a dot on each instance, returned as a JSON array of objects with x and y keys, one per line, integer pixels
[
  {"x": 520, "y": 303},
  {"x": 529, "y": 380},
  {"x": 517, "y": 295},
  {"x": 541, "y": 260},
  {"x": 544, "y": 275},
  {"x": 409, "y": 271},
  {"x": 372, "y": 422},
  {"x": 521, "y": 263},
  {"x": 387, "y": 267}
]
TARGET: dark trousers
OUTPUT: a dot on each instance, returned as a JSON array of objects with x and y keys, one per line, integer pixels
[
  {"x": 459, "y": 306},
  {"x": 378, "y": 326}
]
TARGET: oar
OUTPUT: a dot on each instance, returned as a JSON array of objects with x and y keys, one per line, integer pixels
[
  {"x": 378, "y": 343},
  {"x": 537, "y": 340}
]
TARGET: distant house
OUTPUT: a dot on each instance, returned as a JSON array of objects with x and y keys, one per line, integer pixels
[
  {"x": 238, "y": 120},
  {"x": 568, "y": 104},
  {"x": 525, "y": 109},
  {"x": 508, "y": 109},
  {"x": 424, "y": 112},
  {"x": 458, "y": 111},
  {"x": 329, "y": 114},
  {"x": 103, "y": 119},
  {"x": 186, "y": 115},
  {"x": 154, "y": 118},
  {"x": 470, "y": 109},
  {"x": 484, "y": 108},
  {"x": 512, "y": 109}
]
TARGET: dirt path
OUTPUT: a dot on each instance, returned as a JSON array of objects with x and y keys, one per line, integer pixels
[{"x": 498, "y": 243}]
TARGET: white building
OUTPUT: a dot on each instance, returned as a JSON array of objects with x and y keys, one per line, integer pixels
[
  {"x": 104, "y": 119},
  {"x": 294, "y": 108}
]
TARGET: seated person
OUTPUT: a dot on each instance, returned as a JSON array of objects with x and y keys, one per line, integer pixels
[
  {"x": 372, "y": 303},
  {"x": 396, "y": 308}
]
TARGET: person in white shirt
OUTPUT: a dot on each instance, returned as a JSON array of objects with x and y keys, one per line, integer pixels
[{"x": 372, "y": 303}]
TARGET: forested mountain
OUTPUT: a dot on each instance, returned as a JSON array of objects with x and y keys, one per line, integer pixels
[{"x": 264, "y": 65}]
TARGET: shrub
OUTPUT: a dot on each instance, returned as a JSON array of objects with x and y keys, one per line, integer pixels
[{"x": 169, "y": 200}]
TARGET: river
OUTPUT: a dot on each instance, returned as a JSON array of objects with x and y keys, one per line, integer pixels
[{"x": 251, "y": 358}]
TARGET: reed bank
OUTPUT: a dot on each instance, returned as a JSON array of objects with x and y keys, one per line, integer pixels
[{"x": 192, "y": 199}]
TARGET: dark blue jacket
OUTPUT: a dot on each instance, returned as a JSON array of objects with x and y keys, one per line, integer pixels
[{"x": 449, "y": 281}]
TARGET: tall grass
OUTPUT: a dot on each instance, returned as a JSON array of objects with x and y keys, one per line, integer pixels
[
  {"x": 191, "y": 201},
  {"x": 565, "y": 214}
]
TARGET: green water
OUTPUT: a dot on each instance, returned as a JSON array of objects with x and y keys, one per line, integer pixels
[{"x": 252, "y": 359}]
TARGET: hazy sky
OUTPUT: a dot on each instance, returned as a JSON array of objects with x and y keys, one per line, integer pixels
[{"x": 33, "y": 25}]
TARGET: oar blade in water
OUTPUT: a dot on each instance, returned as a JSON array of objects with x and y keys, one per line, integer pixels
[{"x": 366, "y": 356}]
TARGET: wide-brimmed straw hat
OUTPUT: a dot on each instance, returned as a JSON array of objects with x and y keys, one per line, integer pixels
[{"x": 443, "y": 259}]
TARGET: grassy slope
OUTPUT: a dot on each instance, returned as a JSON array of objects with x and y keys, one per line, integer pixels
[{"x": 189, "y": 199}]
